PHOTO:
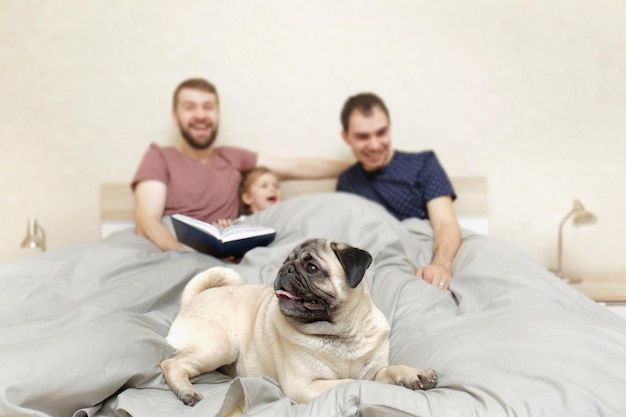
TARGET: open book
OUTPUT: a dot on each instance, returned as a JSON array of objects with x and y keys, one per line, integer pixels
[{"x": 234, "y": 240}]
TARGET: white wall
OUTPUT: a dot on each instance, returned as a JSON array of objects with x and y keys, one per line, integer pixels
[{"x": 529, "y": 93}]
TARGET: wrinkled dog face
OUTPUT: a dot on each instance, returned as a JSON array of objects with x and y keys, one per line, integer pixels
[{"x": 315, "y": 277}]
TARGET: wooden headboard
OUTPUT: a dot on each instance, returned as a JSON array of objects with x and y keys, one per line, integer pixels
[{"x": 116, "y": 198}]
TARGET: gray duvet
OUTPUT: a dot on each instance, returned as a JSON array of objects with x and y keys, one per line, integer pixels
[{"x": 82, "y": 327}]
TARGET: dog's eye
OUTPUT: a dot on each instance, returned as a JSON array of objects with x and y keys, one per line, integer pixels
[{"x": 311, "y": 268}]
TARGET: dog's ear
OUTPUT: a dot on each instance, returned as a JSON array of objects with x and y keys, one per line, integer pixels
[{"x": 354, "y": 261}]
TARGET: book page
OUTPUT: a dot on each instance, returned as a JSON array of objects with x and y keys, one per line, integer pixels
[
  {"x": 243, "y": 231},
  {"x": 199, "y": 224}
]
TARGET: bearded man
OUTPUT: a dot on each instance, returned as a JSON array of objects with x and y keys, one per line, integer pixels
[{"x": 197, "y": 179}]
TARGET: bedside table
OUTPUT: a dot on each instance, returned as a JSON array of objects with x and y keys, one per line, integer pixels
[{"x": 607, "y": 288}]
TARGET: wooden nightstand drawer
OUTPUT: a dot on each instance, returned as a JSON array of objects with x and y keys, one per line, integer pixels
[{"x": 606, "y": 287}]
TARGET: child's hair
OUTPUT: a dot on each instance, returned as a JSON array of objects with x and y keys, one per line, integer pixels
[{"x": 247, "y": 179}]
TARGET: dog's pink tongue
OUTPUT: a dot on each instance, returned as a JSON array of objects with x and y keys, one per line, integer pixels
[{"x": 286, "y": 294}]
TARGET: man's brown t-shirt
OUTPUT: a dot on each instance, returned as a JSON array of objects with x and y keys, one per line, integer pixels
[{"x": 207, "y": 191}]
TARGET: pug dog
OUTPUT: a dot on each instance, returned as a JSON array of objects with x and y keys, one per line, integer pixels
[{"x": 315, "y": 328}]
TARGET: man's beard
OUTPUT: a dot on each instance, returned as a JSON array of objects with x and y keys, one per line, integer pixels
[{"x": 191, "y": 141}]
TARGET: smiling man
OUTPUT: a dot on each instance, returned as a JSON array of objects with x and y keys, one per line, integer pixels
[
  {"x": 406, "y": 184},
  {"x": 197, "y": 179}
]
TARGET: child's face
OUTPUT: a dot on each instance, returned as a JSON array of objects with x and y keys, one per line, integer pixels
[{"x": 263, "y": 193}]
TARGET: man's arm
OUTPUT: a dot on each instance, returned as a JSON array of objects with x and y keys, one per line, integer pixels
[
  {"x": 149, "y": 206},
  {"x": 446, "y": 242},
  {"x": 303, "y": 168}
]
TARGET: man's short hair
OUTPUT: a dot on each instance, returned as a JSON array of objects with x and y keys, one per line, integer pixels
[
  {"x": 195, "y": 84},
  {"x": 364, "y": 103}
]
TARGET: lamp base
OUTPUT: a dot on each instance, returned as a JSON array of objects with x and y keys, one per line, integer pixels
[
  {"x": 571, "y": 280},
  {"x": 568, "y": 279}
]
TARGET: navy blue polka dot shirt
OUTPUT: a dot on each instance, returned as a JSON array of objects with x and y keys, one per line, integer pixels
[{"x": 404, "y": 186}]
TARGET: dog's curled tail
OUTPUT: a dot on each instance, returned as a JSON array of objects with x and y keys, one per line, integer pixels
[{"x": 217, "y": 276}]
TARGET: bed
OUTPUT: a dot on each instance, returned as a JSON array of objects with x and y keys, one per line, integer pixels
[{"x": 82, "y": 327}]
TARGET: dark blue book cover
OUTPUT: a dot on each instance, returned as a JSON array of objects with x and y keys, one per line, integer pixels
[{"x": 233, "y": 241}]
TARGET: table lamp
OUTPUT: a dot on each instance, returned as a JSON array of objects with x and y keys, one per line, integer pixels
[
  {"x": 35, "y": 236},
  {"x": 582, "y": 219}
]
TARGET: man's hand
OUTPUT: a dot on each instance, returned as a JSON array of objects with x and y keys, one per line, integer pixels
[
  {"x": 437, "y": 275},
  {"x": 223, "y": 223},
  {"x": 446, "y": 242}
]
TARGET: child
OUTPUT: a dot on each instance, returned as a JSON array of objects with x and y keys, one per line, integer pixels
[{"x": 259, "y": 189}]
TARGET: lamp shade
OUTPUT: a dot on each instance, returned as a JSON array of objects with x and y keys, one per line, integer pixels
[
  {"x": 35, "y": 236},
  {"x": 582, "y": 217}
]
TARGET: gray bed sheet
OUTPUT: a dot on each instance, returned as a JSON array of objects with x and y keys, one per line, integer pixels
[{"x": 82, "y": 327}]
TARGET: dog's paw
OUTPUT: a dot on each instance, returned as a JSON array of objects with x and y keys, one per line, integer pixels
[
  {"x": 427, "y": 379},
  {"x": 408, "y": 377},
  {"x": 423, "y": 379},
  {"x": 190, "y": 398}
]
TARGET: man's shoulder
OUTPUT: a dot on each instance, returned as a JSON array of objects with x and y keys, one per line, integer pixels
[
  {"x": 235, "y": 156},
  {"x": 421, "y": 155},
  {"x": 351, "y": 171},
  {"x": 349, "y": 178},
  {"x": 411, "y": 162},
  {"x": 232, "y": 151},
  {"x": 155, "y": 164},
  {"x": 155, "y": 148}
]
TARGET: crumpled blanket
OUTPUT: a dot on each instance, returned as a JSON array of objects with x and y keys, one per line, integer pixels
[{"x": 82, "y": 327}]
